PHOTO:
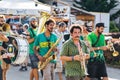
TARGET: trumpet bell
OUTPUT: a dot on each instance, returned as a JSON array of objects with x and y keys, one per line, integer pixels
[{"x": 115, "y": 53}]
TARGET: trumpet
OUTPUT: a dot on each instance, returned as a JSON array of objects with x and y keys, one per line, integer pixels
[
  {"x": 111, "y": 47},
  {"x": 83, "y": 66}
]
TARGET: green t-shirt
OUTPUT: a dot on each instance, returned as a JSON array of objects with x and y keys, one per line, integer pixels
[
  {"x": 73, "y": 68},
  {"x": 92, "y": 38},
  {"x": 81, "y": 38},
  {"x": 0, "y": 62},
  {"x": 45, "y": 43},
  {"x": 1, "y": 43},
  {"x": 33, "y": 33}
]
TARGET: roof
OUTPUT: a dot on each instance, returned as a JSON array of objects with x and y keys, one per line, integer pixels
[
  {"x": 22, "y": 7},
  {"x": 80, "y": 11}
]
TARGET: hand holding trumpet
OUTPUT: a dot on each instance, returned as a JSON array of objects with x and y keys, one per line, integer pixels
[
  {"x": 81, "y": 57},
  {"x": 111, "y": 47}
]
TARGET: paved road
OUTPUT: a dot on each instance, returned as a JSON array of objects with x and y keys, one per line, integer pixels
[{"x": 15, "y": 74}]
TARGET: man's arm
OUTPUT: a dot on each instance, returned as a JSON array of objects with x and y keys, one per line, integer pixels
[
  {"x": 38, "y": 55},
  {"x": 3, "y": 38},
  {"x": 29, "y": 39}
]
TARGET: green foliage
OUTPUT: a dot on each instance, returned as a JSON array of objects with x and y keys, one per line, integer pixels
[
  {"x": 113, "y": 27},
  {"x": 115, "y": 15},
  {"x": 98, "y": 6}
]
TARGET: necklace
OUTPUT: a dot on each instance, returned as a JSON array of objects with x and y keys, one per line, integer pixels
[{"x": 48, "y": 40}]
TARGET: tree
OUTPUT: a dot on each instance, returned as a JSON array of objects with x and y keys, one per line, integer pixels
[
  {"x": 113, "y": 27},
  {"x": 98, "y": 6}
]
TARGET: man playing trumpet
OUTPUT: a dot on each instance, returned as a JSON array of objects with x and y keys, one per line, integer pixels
[
  {"x": 73, "y": 53},
  {"x": 96, "y": 65}
]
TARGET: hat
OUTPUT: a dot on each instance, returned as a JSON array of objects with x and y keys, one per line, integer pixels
[
  {"x": 33, "y": 19},
  {"x": 26, "y": 24}
]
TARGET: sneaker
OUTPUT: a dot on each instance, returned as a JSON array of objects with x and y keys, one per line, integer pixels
[
  {"x": 21, "y": 69},
  {"x": 25, "y": 68}
]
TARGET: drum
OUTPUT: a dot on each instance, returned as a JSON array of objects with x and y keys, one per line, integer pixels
[{"x": 20, "y": 50}]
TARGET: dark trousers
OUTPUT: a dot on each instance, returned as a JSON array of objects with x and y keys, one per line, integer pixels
[{"x": 0, "y": 73}]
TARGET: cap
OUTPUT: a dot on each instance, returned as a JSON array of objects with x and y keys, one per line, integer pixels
[
  {"x": 33, "y": 19},
  {"x": 26, "y": 24}
]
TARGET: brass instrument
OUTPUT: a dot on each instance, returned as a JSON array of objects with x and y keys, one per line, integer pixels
[
  {"x": 43, "y": 19},
  {"x": 111, "y": 47},
  {"x": 42, "y": 65},
  {"x": 82, "y": 61},
  {"x": 88, "y": 45},
  {"x": 5, "y": 27},
  {"x": 4, "y": 33}
]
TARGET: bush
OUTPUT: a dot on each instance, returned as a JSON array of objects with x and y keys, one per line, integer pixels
[{"x": 113, "y": 27}]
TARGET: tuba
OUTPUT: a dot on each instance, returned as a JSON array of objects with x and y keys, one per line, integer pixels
[
  {"x": 42, "y": 65},
  {"x": 5, "y": 27},
  {"x": 43, "y": 19},
  {"x": 111, "y": 47}
]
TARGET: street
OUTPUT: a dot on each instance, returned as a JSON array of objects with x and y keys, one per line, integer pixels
[{"x": 15, "y": 74}]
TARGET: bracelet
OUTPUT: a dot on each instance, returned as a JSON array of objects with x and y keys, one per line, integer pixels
[
  {"x": 98, "y": 48},
  {"x": 72, "y": 58}
]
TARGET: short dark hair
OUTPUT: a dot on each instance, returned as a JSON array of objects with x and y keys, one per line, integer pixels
[
  {"x": 75, "y": 27},
  {"x": 61, "y": 24},
  {"x": 49, "y": 21},
  {"x": 100, "y": 25}
]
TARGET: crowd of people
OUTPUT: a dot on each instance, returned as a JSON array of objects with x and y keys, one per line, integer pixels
[{"x": 81, "y": 55}]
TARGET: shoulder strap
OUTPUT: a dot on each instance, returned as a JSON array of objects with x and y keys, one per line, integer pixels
[
  {"x": 93, "y": 45},
  {"x": 32, "y": 32}
]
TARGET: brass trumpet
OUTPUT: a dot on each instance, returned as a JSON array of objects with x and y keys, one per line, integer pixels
[{"x": 111, "y": 47}]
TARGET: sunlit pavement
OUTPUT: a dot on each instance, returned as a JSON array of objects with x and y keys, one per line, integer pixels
[{"x": 15, "y": 74}]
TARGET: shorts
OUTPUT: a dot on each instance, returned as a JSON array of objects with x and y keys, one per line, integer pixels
[
  {"x": 0, "y": 73},
  {"x": 48, "y": 72},
  {"x": 96, "y": 69},
  {"x": 58, "y": 66},
  {"x": 4, "y": 65},
  {"x": 34, "y": 61}
]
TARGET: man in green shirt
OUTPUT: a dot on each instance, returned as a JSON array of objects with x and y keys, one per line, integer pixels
[
  {"x": 32, "y": 31},
  {"x": 74, "y": 53},
  {"x": 96, "y": 65},
  {"x": 45, "y": 42}
]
